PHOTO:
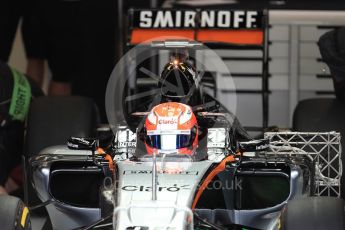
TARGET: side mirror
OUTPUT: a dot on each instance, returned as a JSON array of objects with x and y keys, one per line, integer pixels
[{"x": 83, "y": 143}]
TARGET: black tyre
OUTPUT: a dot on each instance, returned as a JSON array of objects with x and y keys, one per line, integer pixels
[
  {"x": 317, "y": 213},
  {"x": 322, "y": 114},
  {"x": 14, "y": 215}
]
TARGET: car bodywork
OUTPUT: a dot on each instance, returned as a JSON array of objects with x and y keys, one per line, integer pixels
[
  {"x": 153, "y": 193},
  {"x": 230, "y": 181}
]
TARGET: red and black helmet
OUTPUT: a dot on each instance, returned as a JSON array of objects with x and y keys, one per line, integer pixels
[{"x": 171, "y": 128}]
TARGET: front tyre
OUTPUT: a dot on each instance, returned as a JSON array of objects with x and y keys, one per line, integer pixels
[
  {"x": 14, "y": 215},
  {"x": 317, "y": 213}
]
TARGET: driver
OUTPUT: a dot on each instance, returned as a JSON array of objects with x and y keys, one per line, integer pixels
[{"x": 171, "y": 127}]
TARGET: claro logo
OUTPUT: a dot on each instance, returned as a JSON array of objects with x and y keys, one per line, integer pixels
[
  {"x": 173, "y": 188},
  {"x": 167, "y": 122}
]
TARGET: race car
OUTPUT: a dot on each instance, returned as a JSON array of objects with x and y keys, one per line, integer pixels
[
  {"x": 178, "y": 159},
  {"x": 184, "y": 163},
  {"x": 173, "y": 181}
]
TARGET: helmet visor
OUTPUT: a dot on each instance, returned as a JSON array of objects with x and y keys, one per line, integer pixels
[
  {"x": 169, "y": 142},
  {"x": 172, "y": 141}
]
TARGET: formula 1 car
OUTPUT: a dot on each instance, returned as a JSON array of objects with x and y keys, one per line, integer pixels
[
  {"x": 185, "y": 163},
  {"x": 94, "y": 183}
]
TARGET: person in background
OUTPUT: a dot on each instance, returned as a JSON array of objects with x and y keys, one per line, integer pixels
[
  {"x": 11, "y": 118},
  {"x": 332, "y": 49},
  {"x": 11, "y": 13},
  {"x": 78, "y": 39},
  {"x": 16, "y": 93}
]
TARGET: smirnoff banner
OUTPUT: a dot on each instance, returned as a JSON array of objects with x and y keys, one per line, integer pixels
[{"x": 203, "y": 19}]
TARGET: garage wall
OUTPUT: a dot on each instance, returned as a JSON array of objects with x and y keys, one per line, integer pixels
[{"x": 296, "y": 69}]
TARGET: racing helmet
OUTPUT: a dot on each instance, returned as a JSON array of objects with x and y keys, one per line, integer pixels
[
  {"x": 171, "y": 127},
  {"x": 178, "y": 82}
]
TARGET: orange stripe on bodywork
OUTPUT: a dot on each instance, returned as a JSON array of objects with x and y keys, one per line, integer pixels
[
  {"x": 107, "y": 157},
  {"x": 237, "y": 37},
  {"x": 110, "y": 160},
  {"x": 100, "y": 150},
  {"x": 210, "y": 176}
]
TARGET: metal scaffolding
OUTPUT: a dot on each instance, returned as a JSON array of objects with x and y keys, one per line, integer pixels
[{"x": 323, "y": 149}]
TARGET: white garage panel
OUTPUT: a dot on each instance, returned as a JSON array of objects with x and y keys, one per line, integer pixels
[
  {"x": 311, "y": 82},
  {"x": 249, "y": 108},
  {"x": 276, "y": 82},
  {"x": 312, "y": 66},
  {"x": 309, "y": 50}
]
